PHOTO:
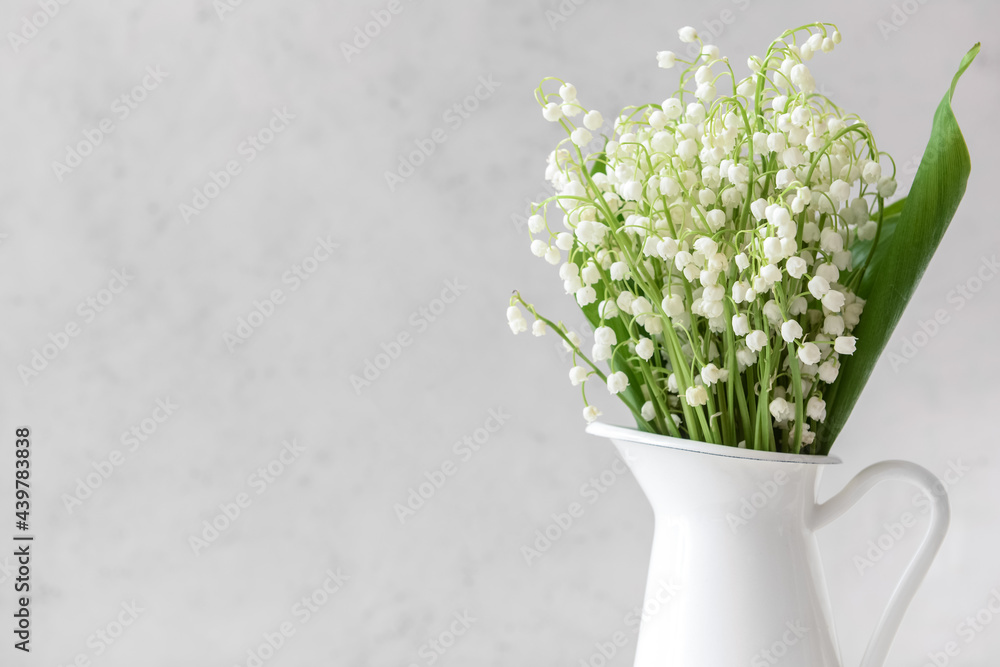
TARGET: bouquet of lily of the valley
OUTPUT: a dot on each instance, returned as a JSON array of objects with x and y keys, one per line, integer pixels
[{"x": 734, "y": 246}]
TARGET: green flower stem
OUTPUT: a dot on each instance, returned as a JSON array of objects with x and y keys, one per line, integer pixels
[
  {"x": 681, "y": 375},
  {"x": 713, "y": 424},
  {"x": 765, "y": 433},
  {"x": 735, "y": 381},
  {"x": 793, "y": 365},
  {"x": 661, "y": 407},
  {"x": 723, "y": 417},
  {"x": 751, "y": 404},
  {"x": 707, "y": 432},
  {"x": 642, "y": 280},
  {"x": 636, "y": 410}
]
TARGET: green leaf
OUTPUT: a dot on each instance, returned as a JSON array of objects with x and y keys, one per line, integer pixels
[
  {"x": 600, "y": 165},
  {"x": 861, "y": 249},
  {"x": 934, "y": 196}
]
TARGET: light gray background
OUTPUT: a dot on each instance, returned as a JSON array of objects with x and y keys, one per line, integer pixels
[{"x": 454, "y": 219}]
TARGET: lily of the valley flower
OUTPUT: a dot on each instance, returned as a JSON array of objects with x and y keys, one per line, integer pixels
[{"x": 712, "y": 240}]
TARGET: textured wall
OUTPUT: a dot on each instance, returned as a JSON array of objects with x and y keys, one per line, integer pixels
[{"x": 426, "y": 266}]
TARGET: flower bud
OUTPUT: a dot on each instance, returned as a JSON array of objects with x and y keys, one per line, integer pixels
[
  {"x": 791, "y": 331},
  {"x": 696, "y": 395},
  {"x": 796, "y": 267},
  {"x": 739, "y": 291},
  {"x": 617, "y": 382},
  {"x": 605, "y": 336},
  {"x": 872, "y": 172},
  {"x": 809, "y": 354},
  {"x": 816, "y": 408},
  {"x": 586, "y": 295},
  {"x": 666, "y": 59},
  {"x": 756, "y": 340},
  {"x": 673, "y": 108},
  {"x": 781, "y": 410},
  {"x": 833, "y": 300},
  {"x": 845, "y": 344},
  {"x": 593, "y": 120},
  {"x": 818, "y": 287},
  {"x": 644, "y": 348},
  {"x": 770, "y": 273},
  {"x": 673, "y": 305},
  {"x": 828, "y": 271},
  {"x": 687, "y": 34},
  {"x": 828, "y": 371},
  {"x": 581, "y": 136},
  {"x": 833, "y": 325},
  {"x": 711, "y": 374}
]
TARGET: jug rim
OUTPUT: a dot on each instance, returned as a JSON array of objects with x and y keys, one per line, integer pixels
[{"x": 635, "y": 435}]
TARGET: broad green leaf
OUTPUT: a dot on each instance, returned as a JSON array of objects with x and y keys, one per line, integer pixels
[
  {"x": 861, "y": 249},
  {"x": 934, "y": 196}
]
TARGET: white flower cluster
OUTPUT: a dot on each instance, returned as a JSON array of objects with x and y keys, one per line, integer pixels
[{"x": 711, "y": 240}]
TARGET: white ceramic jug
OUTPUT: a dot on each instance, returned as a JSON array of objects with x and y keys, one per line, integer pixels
[{"x": 734, "y": 534}]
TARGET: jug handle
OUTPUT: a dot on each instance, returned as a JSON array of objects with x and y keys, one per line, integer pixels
[{"x": 888, "y": 625}]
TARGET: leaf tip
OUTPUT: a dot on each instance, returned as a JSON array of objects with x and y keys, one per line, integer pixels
[{"x": 966, "y": 61}]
